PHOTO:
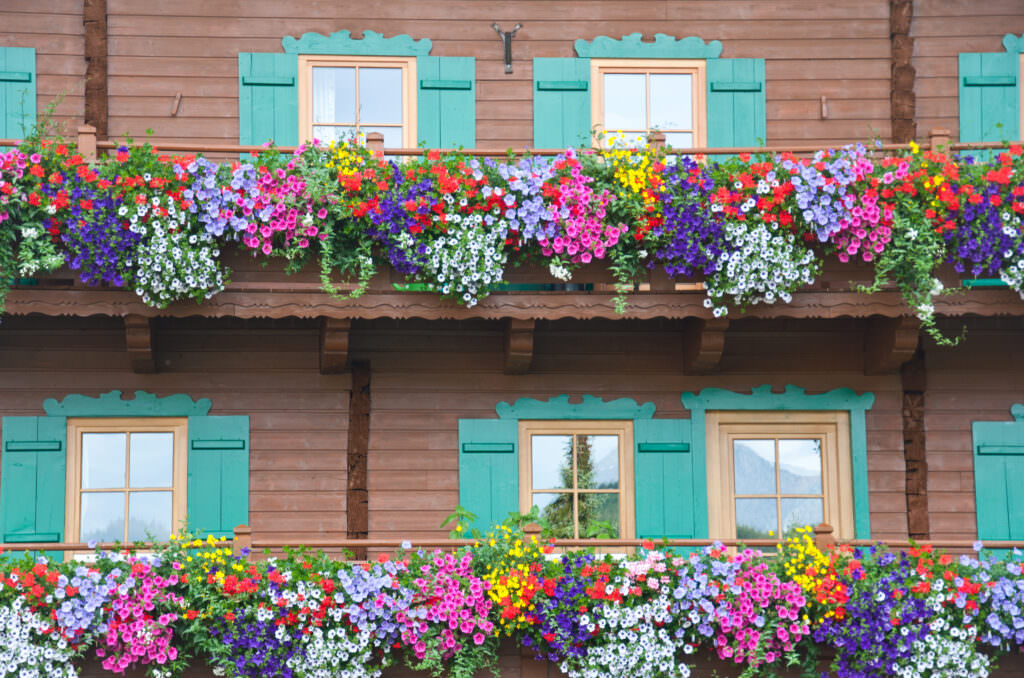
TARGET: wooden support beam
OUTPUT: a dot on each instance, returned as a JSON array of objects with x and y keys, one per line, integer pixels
[
  {"x": 703, "y": 343},
  {"x": 914, "y": 378},
  {"x": 518, "y": 345},
  {"x": 902, "y": 100},
  {"x": 889, "y": 342},
  {"x": 334, "y": 344},
  {"x": 94, "y": 23},
  {"x": 357, "y": 506},
  {"x": 138, "y": 339}
]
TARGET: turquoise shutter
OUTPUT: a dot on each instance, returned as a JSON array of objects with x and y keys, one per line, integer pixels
[
  {"x": 736, "y": 102},
  {"x": 218, "y": 474},
  {"x": 663, "y": 474},
  {"x": 998, "y": 479},
  {"x": 32, "y": 479},
  {"x": 989, "y": 97},
  {"x": 17, "y": 91},
  {"x": 561, "y": 103},
  {"x": 489, "y": 469},
  {"x": 446, "y": 102},
  {"x": 268, "y": 98}
]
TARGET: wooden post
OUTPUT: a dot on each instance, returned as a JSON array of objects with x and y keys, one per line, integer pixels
[
  {"x": 938, "y": 139},
  {"x": 357, "y": 499},
  {"x": 87, "y": 142},
  {"x": 94, "y": 23},
  {"x": 656, "y": 140},
  {"x": 243, "y": 540},
  {"x": 823, "y": 538},
  {"x": 375, "y": 142}
]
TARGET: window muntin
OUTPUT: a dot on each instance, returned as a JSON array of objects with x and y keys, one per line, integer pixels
[
  {"x": 349, "y": 97},
  {"x": 638, "y": 96},
  {"x": 579, "y": 473},
  {"x": 770, "y": 472},
  {"x": 126, "y": 478}
]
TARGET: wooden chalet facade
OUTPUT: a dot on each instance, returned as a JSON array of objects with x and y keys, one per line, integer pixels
[{"x": 324, "y": 420}]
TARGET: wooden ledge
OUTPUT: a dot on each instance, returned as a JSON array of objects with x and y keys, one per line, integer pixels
[{"x": 307, "y": 303}]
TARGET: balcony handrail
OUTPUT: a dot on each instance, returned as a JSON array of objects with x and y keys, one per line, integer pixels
[
  {"x": 823, "y": 539},
  {"x": 89, "y": 146}
]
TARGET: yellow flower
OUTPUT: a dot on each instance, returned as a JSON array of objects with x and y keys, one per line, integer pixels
[{"x": 914, "y": 148}]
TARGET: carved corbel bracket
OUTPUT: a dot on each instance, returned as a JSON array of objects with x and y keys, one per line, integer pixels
[
  {"x": 138, "y": 339},
  {"x": 334, "y": 334},
  {"x": 703, "y": 342},
  {"x": 889, "y": 342},
  {"x": 518, "y": 345}
]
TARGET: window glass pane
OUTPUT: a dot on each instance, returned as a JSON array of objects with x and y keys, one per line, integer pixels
[
  {"x": 102, "y": 516},
  {"x": 329, "y": 133},
  {"x": 799, "y": 513},
  {"x": 103, "y": 457},
  {"x": 599, "y": 514},
  {"x": 334, "y": 94},
  {"x": 625, "y": 101},
  {"x": 392, "y": 135},
  {"x": 679, "y": 139},
  {"x": 754, "y": 466},
  {"x": 556, "y": 508},
  {"x": 380, "y": 95},
  {"x": 149, "y": 515},
  {"x": 597, "y": 462},
  {"x": 800, "y": 466},
  {"x": 151, "y": 459},
  {"x": 755, "y": 518},
  {"x": 671, "y": 101},
  {"x": 552, "y": 461}
]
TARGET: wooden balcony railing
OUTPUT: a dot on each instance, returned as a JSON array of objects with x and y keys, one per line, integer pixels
[
  {"x": 90, "y": 147},
  {"x": 243, "y": 539}
]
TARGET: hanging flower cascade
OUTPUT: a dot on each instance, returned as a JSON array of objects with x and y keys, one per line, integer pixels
[
  {"x": 876, "y": 612},
  {"x": 755, "y": 229}
]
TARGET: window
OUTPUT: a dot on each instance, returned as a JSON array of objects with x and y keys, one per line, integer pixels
[
  {"x": 579, "y": 474},
  {"x": 348, "y": 97},
  {"x": 638, "y": 96},
  {"x": 126, "y": 478},
  {"x": 771, "y": 472}
]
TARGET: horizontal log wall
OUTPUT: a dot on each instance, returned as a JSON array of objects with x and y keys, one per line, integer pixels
[
  {"x": 56, "y": 30},
  {"x": 977, "y": 381},
  {"x": 941, "y": 30},
  {"x": 269, "y": 371},
  {"x": 428, "y": 375}
]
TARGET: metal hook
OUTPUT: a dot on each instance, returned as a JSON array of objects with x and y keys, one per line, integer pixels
[{"x": 506, "y": 40}]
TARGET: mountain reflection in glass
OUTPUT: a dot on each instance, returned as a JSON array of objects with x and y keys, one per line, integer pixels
[{"x": 777, "y": 485}]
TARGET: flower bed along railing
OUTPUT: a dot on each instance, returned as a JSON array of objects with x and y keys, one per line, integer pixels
[
  {"x": 755, "y": 228},
  {"x": 872, "y": 610}
]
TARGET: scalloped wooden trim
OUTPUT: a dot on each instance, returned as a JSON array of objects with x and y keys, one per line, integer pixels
[
  {"x": 632, "y": 46},
  {"x": 110, "y": 404},
  {"x": 371, "y": 44},
  {"x": 1014, "y": 44},
  {"x": 559, "y": 407},
  {"x": 793, "y": 398}
]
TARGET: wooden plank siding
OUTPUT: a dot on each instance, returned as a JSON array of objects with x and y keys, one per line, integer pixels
[
  {"x": 426, "y": 376},
  {"x": 964, "y": 386},
  {"x": 298, "y": 418},
  {"x": 942, "y": 29},
  {"x": 55, "y": 29},
  {"x": 840, "y": 51}
]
